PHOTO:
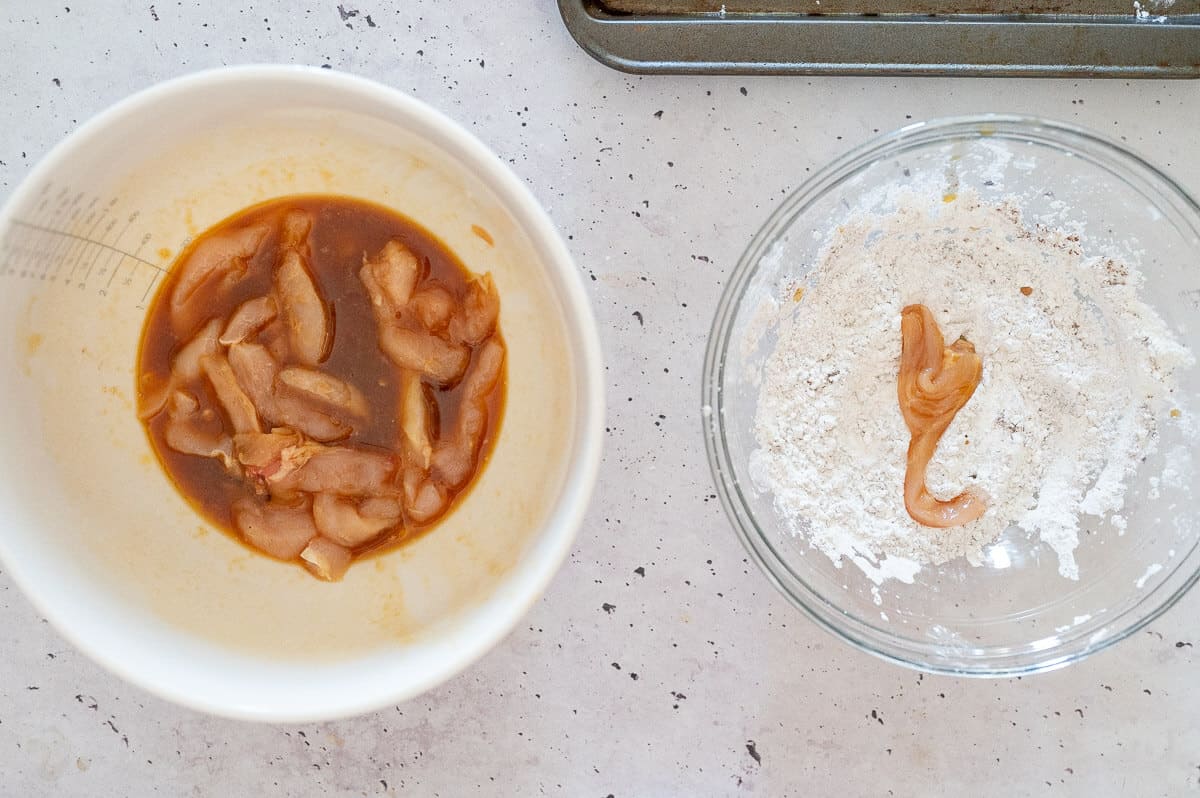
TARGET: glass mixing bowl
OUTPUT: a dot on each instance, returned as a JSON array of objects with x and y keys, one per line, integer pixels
[{"x": 1013, "y": 614}]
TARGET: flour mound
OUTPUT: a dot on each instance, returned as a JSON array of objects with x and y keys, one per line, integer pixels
[{"x": 1077, "y": 370}]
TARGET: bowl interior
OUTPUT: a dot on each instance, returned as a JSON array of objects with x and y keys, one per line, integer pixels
[
  {"x": 93, "y": 529},
  {"x": 1015, "y": 612}
]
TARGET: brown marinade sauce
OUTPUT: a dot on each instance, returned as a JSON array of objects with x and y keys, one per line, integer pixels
[{"x": 344, "y": 229}]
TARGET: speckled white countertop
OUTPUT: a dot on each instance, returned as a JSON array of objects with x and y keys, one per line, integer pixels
[{"x": 660, "y": 662}]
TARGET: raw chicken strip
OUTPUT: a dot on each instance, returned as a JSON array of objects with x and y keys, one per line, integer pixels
[
  {"x": 326, "y": 559},
  {"x": 424, "y": 499},
  {"x": 344, "y": 470},
  {"x": 307, "y": 319},
  {"x": 187, "y": 438},
  {"x": 297, "y": 224},
  {"x": 290, "y": 411},
  {"x": 216, "y": 256},
  {"x": 428, "y": 503},
  {"x": 322, "y": 387},
  {"x": 265, "y": 454},
  {"x": 187, "y": 432},
  {"x": 185, "y": 367},
  {"x": 433, "y": 307},
  {"x": 380, "y": 507},
  {"x": 266, "y": 470},
  {"x": 381, "y": 306},
  {"x": 237, "y": 405},
  {"x": 416, "y": 423},
  {"x": 476, "y": 319},
  {"x": 935, "y": 382},
  {"x": 256, "y": 372},
  {"x": 282, "y": 532},
  {"x": 454, "y": 458},
  {"x": 275, "y": 338},
  {"x": 182, "y": 404},
  {"x": 441, "y": 361},
  {"x": 344, "y": 523},
  {"x": 250, "y": 317},
  {"x": 393, "y": 274}
]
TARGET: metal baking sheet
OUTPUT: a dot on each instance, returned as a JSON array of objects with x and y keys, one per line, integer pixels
[{"x": 1057, "y": 38}]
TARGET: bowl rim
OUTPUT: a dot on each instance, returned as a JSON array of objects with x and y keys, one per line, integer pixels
[
  {"x": 812, "y": 603},
  {"x": 529, "y": 579}
]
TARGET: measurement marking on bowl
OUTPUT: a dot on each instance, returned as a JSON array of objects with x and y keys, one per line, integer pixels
[
  {"x": 53, "y": 252},
  {"x": 40, "y": 241},
  {"x": 43, "y": 245}
]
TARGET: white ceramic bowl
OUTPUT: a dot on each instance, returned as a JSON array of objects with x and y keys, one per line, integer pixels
[{"x": 91, "y": 528}]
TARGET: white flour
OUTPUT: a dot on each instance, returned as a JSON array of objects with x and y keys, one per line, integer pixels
[{"x": 1075, "y": 376}]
